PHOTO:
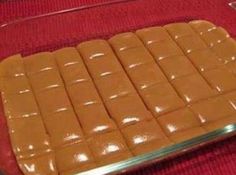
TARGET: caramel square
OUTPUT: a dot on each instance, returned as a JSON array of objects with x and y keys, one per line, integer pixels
[
  {"x": 146, "y": 75},
  {"x": 67, "y": 57},
  {"x": 43, "y": 164},
  {"x": 161, "y": 98},
  {"x": 20, "y": 105},
  {"x": 187, "y": 134},
  {"x": 39, "y": 62},
  {"x": 114, "y": 86},
  {"x": 134, "y": 57},
  {"x": 28, "y": 135},
  {"x": 94, "y": 49},
  {"x": 74, "y": 73},
  {"x": 221, "y": 79},
  {"x": 142, "y": 132},
  {"x": 178, "y": 30},
  {"x": 231, "y": 66},
  {"x": 46, "y": 80},
  {"x": 107, "y": 144},
  {"x": 193, "y": 88},
  {"x": 7, "y": 65},
  {"x": 153, "y": 34},
  {"x": 71, "y": 156},
  {"x": 94, "y": 119},
  {"x": 114, "y": 158},
  {"x": 63, "y": 127},
  {"x": 17, "y": 85},
  {"x": 215, "y": 36},
  {"x": 191, "y": 43},
  {"x": 204, "y": 59},
  {"x": 202, "y": 26},
  {"x": 179, "y": 120},
  {"x": 220, "y": 123},
  {"x": 153, "y": 145},
  {"x": 231, "y": 97},
  {"x": 226, "y": 50},
  {"x": 83, "y": 93},
  {"x": 164, "y": 49},
  {"x": 128, "y": 110},
  {"x": 177, "y": 66},
  {"x": 53, "y": 100},
  {"x": 124, "y": 41},
  {"x": 212, "y": 109},
  {"x": 103, "y": 66}
]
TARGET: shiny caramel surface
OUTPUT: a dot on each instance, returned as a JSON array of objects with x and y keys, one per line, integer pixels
[{"x": 104, "y": 101}]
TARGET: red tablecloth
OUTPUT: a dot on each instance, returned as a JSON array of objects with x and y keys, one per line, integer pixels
[{"x": 70, "y": 29}]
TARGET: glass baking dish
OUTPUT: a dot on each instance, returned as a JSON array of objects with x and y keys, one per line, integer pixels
[{"x": 31, "y": 34}]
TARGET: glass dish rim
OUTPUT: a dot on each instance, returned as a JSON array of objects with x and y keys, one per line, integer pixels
[
  {"x": 164, "y": 153},
  {"x": 154, "y": 156}
]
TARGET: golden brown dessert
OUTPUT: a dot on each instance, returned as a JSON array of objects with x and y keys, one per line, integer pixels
[
  {"x": 147, "y": 76},
  {"x": 30, "y": 141},
  {"x": 83, "y": 94},
  {"x": 75, "y": 109}
]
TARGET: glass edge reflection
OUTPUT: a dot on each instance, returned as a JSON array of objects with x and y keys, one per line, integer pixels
[{"x": 163, "y": 153}]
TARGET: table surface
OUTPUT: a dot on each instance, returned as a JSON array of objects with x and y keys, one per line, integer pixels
[{"x": 215, "y": 159}]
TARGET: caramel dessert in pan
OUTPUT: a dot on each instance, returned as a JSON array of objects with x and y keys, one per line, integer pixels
[{"x": 105, "y": 101}]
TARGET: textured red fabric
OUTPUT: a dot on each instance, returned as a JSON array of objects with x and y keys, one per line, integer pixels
[
  {"x": 14, "y": 9},
  {"x": 69, "y": 29}
]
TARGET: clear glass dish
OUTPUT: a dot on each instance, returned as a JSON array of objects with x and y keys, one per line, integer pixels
[{"x": 30, "y": 35}]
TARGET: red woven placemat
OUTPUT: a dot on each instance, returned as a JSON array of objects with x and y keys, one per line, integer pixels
[{"x": 102, "y": 22}]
